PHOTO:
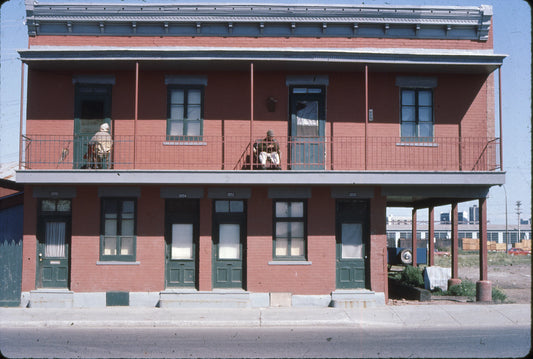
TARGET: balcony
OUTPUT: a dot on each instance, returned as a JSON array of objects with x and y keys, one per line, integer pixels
[{"x": 217, "y": 153}]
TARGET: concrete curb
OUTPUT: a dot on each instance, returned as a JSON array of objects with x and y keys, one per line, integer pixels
[{"x": 408, "y": 316}]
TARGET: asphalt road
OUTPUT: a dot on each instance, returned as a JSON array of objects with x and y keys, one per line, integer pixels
[{"x": 264, "y": 342}]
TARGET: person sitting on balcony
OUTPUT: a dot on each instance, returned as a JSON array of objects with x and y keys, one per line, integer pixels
[
  {"x": 101, "y": 144},
  {"x": 268, "y": 149}
]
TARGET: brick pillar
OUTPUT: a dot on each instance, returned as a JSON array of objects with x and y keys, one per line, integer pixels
[
  {"x": 483, "y": 286},
  {"x": 454, "y": 280},
  {"x": 206, "y": 245}
]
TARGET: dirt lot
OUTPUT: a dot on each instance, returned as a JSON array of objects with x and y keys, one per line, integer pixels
[{"x": 511, "y": 274}]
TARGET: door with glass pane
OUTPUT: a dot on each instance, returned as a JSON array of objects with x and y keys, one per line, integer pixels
[
  {"x": 92, "y": 108},
  {"x": 229, "y": 231},
  {"x": 352, "y": 222},
  {"x": 181, "y": 235},
  {"x": 307, "y": 127},
  {"x": 53, "y": 244}
]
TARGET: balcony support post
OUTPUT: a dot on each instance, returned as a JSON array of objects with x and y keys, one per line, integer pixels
[
  {"x": 414, "y": 240},
  {"x": 431, "y": 235},
  {"x": 366, "y": 115},
  {"x": 251, "y": 115},
  {"x": 136, "y": 112},
  {"x": 454, "y": 280},
  {"x": 501, "y": 114},
  {"x": 483, "y": 286},
  {"x": 21, "y": 114}
]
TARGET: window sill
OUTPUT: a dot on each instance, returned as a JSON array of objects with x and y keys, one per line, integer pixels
[
  {"x": 184, "y": 143},
  {"x": 417, "y": 144},
  {"x": 290, "y": 263},
  {"x": 115, "y": 263}
]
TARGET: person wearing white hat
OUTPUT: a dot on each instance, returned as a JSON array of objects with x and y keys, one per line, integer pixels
[{"x": 102, "y": 143}]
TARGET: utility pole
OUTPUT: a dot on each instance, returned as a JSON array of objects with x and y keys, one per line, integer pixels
[{"x": 518, "y": 212}]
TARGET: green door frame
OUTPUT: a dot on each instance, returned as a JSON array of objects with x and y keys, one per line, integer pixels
[
  {"x": 229, "y": 272},
  {"x": 87, "y": 118},
  {"x": 307, "y": 151},
  {"x": 181, "y": 272},
  {"x": 352, "y": 272},
  {"x": 53, "y": 271}
]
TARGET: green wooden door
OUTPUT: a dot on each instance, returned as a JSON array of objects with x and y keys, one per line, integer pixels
[
  {"x": 181, "y": 234},
  {"x": 92, "y": 108},
  {"x": 229, "y": 233},
  {"x": 53, "y": 254},
  {"x": 352, "y": 244}
]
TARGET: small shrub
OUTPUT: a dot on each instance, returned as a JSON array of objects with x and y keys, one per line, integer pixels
[
  {"x": 413, "y": 276},
  {"x": 464, "y": 289},
  {"x": 498, "y": 295},
  {"x": 468, "y": 289}
]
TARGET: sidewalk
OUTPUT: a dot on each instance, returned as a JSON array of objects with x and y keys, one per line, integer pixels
[{"x": 408, "y": 316}]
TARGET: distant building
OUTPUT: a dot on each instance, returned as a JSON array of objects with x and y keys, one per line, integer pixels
[{"x": 473, "y": 214}]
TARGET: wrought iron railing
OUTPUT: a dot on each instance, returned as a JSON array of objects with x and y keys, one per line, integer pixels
[{"x": 340, "y": 153}]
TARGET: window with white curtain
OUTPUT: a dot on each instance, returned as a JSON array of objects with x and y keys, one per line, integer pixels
[{"x": 54, "y": 246}]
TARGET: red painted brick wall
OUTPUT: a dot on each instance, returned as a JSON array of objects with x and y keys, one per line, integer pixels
[
  {"x": 258, "y": 42},
  {"x": 317, "y": 278},
  {"x": 378, "y": 242},
  {"x": 29, "y": 241},
  {"x": 88, "y": 276}
]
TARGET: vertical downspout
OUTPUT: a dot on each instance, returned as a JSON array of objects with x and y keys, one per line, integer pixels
[
  {"x": 21, "y": 114},
  {"x": 366, "y": 115},
  {"x": 251, "y": 115},
  {"x": 136, "y": 113},
  {"x": 500, "y": 111}
]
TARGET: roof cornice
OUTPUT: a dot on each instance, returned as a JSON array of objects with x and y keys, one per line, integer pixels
[{"x": 456, "y": 22}]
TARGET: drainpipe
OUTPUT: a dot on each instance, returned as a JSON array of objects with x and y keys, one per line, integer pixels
[
  {"x": 251, "y": 114},
  {"x": 21, "y": 113},
  {"x": 136, "y": 112}
]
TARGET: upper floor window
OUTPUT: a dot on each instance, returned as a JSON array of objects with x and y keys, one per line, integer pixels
[
  {"x": 185, "y": 112},
  {"x": 417, "y": 114},
  {"x": 118, "y": 234}
]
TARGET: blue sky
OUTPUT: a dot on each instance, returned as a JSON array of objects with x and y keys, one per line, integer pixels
[{"x": 512, "y": 36}]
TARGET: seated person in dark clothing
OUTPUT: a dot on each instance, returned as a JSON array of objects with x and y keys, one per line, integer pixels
[{"x": 268, "y": 149}]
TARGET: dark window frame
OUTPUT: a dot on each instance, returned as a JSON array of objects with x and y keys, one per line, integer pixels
[
  {"x": 119, "y": 236},
  {"x": 417, "y": 137},
  {"x": 185, "y": 89},
  {"x": 289, "y": 219}
]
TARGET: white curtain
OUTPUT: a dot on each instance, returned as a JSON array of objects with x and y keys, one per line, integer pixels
[
  {"x": 182, "y": 239},
  {"x": 229, "y": 241},
  {"x": 55, "y": 240},
  {"x": 352, "y": 240}
]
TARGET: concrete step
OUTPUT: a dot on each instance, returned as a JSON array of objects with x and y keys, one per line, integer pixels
[
  {"x": 51, "y": 298},
  {"x": 356, "y": 298},
  {"x": 200, "y": 299}
]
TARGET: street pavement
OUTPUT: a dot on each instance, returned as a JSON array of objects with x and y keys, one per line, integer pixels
[{"x": 396, "y": 316}]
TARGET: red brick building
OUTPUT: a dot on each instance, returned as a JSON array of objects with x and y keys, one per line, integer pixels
[{"x": 372, "y": 107}]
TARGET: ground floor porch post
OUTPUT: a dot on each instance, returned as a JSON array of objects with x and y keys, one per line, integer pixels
[
  {"x": 483, "y": 286},
  {"x": 454, "y": 280}
]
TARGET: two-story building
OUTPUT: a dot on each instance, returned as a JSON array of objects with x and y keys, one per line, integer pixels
[{"x": 371, "y": 107}]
